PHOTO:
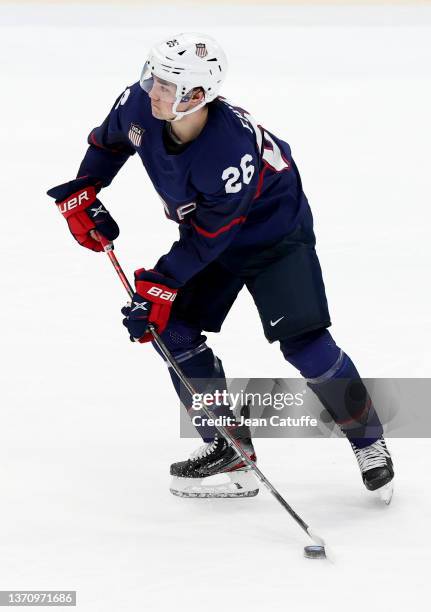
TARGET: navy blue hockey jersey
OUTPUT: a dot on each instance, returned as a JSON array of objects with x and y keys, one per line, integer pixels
[{"x": 235, "y": 187}]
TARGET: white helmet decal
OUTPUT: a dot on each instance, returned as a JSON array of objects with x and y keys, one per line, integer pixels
[{"x": 201, "y": 50}]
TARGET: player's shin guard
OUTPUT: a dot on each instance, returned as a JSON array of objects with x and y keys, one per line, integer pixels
[
  {"x": 344, "y": 395},
  {"x": 331, "y": 374},
  {"x": 204, "y": 369}
]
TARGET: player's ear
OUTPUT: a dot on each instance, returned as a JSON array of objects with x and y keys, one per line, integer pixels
[{"x": 197, "y": 96}]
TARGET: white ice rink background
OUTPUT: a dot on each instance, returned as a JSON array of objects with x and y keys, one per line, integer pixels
[{"x": 89, "y": 422}]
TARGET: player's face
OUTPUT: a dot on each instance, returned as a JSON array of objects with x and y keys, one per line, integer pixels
[{"x": 162, "y": 95}]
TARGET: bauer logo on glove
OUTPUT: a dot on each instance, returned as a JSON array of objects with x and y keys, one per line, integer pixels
[
  {"x": 86, "y": 195},
  {"x": 77, "y": 202},
  {"x": 151, "y": 303}
]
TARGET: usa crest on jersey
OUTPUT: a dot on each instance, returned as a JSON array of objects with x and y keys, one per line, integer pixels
[{"x": 135, "y": 134}]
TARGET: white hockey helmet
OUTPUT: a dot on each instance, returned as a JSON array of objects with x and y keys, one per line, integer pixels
[{"x": 188, "y": 61}]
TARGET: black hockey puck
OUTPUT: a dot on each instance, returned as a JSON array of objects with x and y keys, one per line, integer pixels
[{"x": 314, "y": 552}]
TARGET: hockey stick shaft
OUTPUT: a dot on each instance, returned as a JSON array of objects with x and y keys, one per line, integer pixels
[
  {"x": 108, "y": 247},
  {"x": 225, "y": 433}
]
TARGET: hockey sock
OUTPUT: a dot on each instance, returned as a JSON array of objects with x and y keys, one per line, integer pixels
[
  {"x": 205, "y": 371},
  {"x": 333, "y": 377},
  {"x": 202, "y": 368}
]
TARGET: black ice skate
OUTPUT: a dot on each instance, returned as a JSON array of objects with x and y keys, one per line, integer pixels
[
  {"x": 215, "y": 470},
  {"x": 376, "y": 468}
]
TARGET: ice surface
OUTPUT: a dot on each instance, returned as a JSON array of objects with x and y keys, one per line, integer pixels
[{"x": 89, "y": 422}]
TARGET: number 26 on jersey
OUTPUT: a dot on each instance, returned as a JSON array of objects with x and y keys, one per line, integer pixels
[{"x": 236, "y": 177}]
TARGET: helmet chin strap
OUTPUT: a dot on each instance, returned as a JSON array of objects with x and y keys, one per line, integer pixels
[{"x": 180, "y": 114}]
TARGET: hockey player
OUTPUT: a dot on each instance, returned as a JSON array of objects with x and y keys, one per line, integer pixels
[{"x": 236, "y": 193}]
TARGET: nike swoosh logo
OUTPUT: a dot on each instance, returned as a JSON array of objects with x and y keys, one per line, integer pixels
[{"x": 272, "y": 323}]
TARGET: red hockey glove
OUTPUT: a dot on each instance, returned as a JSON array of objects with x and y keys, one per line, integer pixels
[
  {"x": 83, "y": 212},
  {"x": 151, "y": 303}
]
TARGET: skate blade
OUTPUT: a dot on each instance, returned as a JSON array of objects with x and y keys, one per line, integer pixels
[
  {"x": 386, "y": 492},
  {"x": 229, "y": 485}
]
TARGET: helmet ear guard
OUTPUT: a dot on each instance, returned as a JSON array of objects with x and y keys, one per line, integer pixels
[
  {"x": 189, "y": 95},
  {"x": 180, "y": 114}
]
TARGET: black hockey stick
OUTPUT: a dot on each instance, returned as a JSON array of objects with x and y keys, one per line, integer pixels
[{"x": 317, "y": 551}]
